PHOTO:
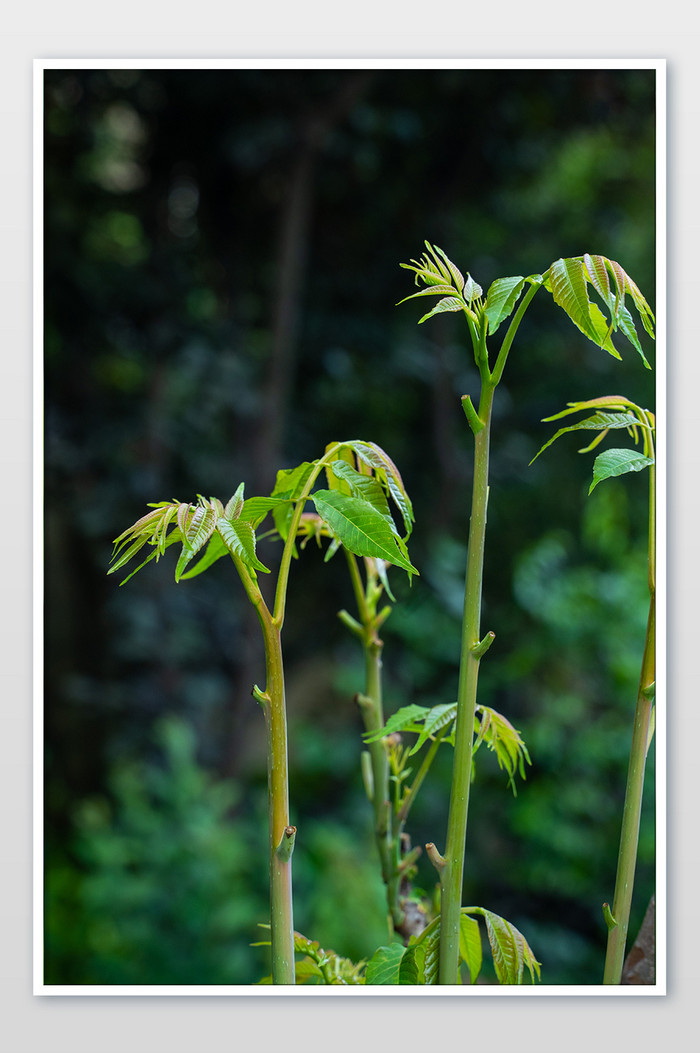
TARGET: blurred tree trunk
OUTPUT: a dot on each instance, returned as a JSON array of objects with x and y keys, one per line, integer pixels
[{"x": 295, "y": 226}]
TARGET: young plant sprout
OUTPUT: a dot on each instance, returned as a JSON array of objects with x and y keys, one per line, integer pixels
[
  {"x": 354, "y": 512},
  {"x": 365, "y": 510},
  {"x": 568, "y": 281},
  {"x": 613, "y": 412}
]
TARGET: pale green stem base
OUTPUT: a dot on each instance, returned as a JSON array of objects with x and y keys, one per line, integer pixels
[
  {"x": 631, "y": 815},
  {"x": 452, "y": 869}
]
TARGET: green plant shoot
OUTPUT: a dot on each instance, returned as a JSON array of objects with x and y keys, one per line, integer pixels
[
  {"x": 568, "y": 281},
  {"x": 613, "y": 412},
  {"x": 354, "y": 513}
]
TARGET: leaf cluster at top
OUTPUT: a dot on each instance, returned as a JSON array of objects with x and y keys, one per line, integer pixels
[{"x": 353, "y": 511}]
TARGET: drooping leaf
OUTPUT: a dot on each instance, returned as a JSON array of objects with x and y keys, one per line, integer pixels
[
  {"x": 568, "y": 280},
  {"x": 510, "y": 951},
  {"x": 600, "y": 421},
  {"x": 612, "y": 463},
  {"x": 448, "y": 303},
  {"x": 470, "y": 950},
  {"x": 361, "y": 528},
  {"x": 501, "y": 299},
  {"x": 504, "y": 740},
  {"x": 384, "y": 965}
]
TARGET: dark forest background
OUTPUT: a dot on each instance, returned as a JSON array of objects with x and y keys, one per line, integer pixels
[{"x": 222, "y": 254}]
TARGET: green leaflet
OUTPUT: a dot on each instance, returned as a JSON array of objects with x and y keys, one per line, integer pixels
[
  {"x": 214, "y": 550},
  {"x": 438, "y": 718},
  {"x": 501, "y": 299},
  {"x": 388, "y": 474},
  {"x": 510, "y": 950},
  {"x": 288, "y": 488},
  {"x": 418, "y": 963},
  {"x": 239, "y": 537},
  {"x": 255, "y": 509},
  {"x": 404, "y": 719},
  {"x": 361, "y": 528},
  {"x": 600, "y": 421},
  {"x": 319, "y": 966},
  {"x": 291, "y": 481},
  {"x": 617, "y": 462},
  {"x": 448, "y": 303},
  {"x": 384, "y": 965},
  {"x": 470, "y": 950},
  {"x": 200, "y": 528},
  {"x": 490, "y": 727},
  {"x": 505, "y": 741},
  {"x": 365, "y": 487}
]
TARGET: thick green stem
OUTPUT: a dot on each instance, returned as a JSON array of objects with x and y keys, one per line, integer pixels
[
  {"x": 451, "y": 873},
  {"x": 632, "y": 809},
  {"x": 281, "y": 833}
]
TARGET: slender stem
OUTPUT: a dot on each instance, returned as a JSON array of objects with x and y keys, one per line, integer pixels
[
  {"x": 373, "y": 717},
  {"x": 632, "y": 809},
  {"x": 281, "y": 833},
  {"x": 510, "y": 335},
  {"x": 288, "y": 551},
  {"x": 410, "y": 797},
  {"x": 451, "y": 874}
]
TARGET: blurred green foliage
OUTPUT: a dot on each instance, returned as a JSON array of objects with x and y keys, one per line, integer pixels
[{"x": 221, "y": 270}]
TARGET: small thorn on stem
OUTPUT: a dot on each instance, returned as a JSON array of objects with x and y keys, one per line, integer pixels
[
  {"x": 480, "y": 649},
  {"x": 260, "y": 696},
  {"x": 286, "y": 846},
  {"x": 475, "y": 422},
  {"x": 364, "y": 702},
  {"x": 610, "y": 921}
]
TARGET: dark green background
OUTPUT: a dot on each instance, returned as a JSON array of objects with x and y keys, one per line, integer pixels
[{"x": 221, "y": 254}]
